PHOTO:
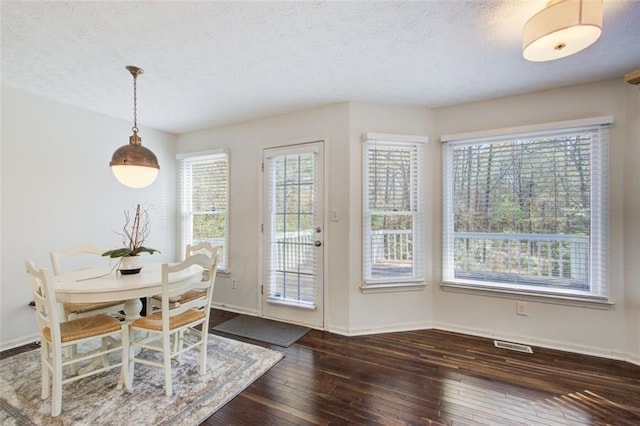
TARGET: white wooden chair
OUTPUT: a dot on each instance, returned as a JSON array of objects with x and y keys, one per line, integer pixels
[
  {"x": 57, "y": 335},
  {"x": 78, "y": 310},
  {"x": 177, "y": 321},
  {"x": 154, "y": 303}
]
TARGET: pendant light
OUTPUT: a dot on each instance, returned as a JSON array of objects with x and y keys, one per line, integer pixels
[
  {"x": 134, "y": 165},
  {"x": 561, "y": 29}
]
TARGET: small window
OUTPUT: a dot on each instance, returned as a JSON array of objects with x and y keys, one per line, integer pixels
[
  {"x": 204, "y": 201},
  {"x": 528, "y": 211},
  {"x": 393, "y": 210}
]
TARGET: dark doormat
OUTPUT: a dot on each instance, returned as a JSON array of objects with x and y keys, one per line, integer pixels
[{"x": 264, "y": 330}]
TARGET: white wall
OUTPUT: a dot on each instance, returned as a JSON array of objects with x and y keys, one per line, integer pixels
[
  {"x": 609, "y": 332},
  {"x": 342, "y": 126},
  {"x": 398, "y": 310},
  {"x": 58, "y": 191},
  {"x": 48, "y": 203},
  {"x": 581, "y": 329},
  {"x": 632, "y": 218},
  {"x": 245, "y": 141}
]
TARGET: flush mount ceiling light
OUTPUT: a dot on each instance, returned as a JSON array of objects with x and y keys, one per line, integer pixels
[
  {"x": 134, "y": 165},
  {"x": 561, "y": 29}
]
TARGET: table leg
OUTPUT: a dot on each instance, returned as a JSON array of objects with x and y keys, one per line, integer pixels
[{"x": 132, "y": 308}]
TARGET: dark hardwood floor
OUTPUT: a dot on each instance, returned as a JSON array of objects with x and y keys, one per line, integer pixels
[{"x": 430, "y": 377}]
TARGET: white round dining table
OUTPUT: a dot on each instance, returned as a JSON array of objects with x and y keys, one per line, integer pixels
[{"x": 93, "y": 285}]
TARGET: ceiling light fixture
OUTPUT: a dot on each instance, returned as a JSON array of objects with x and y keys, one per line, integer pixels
[
  {"x": 134, "y": 165},
  {"x": 561, "y": 29}
]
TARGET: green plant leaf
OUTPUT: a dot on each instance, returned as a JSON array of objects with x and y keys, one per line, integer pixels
[
  {"x": 120, "y": 252},
  {"x": 146, "y": 250},
  {"x": 125, "y": 251}
]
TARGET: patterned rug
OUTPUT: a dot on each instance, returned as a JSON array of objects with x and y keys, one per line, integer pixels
[{"x": 232, "y": 366}]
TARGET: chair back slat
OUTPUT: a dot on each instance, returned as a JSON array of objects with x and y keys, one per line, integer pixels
[
  {"x": 78, "y": 258},
  {"x": 206, "y": 248},
  {"x": 45, "y": 299},
  {"x": 201, "y": 283},
  {"x": 180, "y": 287},
  {"x": 84, "y": 253},
  {"x": 203, "y": 247}
]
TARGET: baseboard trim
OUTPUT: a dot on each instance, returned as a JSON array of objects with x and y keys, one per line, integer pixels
[
  {"x": 544, "y": 343},
  {"x": 528, "y": 340},
  {"x": 396, "y": 328},
  {"x": 633, "y": 358},
  {"x": 233, "y": 308},
  {"x": 4, "y": 346},
  {"x": 337, "y": 330}
]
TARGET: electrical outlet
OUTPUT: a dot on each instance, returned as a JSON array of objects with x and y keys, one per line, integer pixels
[
  {"x": 233, "y": 283},
  {"x": 521, "y": 308}
]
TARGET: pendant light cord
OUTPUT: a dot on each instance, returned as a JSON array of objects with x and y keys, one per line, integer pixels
[{"x": 135, "y": 105}]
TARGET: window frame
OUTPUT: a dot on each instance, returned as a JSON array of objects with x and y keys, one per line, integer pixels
[
  {"x": 417, "y": 280},
  {"x": 184, "y": 202},
  {"x": 598, "y": 281}
]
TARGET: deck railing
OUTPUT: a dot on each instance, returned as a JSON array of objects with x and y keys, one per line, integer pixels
[
  {"x": 294, "y": 251},
  {"x": 293, "y": 268},
  {"x": 562, "y": 258},
  {"x": 550, "y": 256},
  {"x": 534, "y": 259},
  {"x": 392, "y": 246}
]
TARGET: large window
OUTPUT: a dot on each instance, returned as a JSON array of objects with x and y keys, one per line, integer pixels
[
  {"x": 527, "y": 211},
  {"x": 204, "y": 200},
  {"x": 393, "y": 210}
]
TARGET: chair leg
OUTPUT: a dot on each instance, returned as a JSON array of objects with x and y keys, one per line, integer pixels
[
  {"x": 203, "y": 351},
  {"x": 105, "y": 357},
  {"x": 178, "y": 344},
  {"x": 166, "y": 346},
  {"x": 46, "y": 373},
  {"x": 56, "y": 397},
  {"x": 73, "y": 353}
]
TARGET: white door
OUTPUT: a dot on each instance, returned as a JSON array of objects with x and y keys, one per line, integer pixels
[{"x": 292, "y": 287}]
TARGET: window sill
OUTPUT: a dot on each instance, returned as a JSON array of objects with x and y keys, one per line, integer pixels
[
  {"x": 558, "y": 299},
  {"x": 388, "y": 288}
]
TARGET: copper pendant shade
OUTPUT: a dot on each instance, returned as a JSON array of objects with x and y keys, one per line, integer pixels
[{"x": 134, "y": 165}]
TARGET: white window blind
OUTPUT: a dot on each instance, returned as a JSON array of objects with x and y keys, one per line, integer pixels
[
  {"x": 291, "y": 257},
  {"x": 393, "y": 210},
  {"x": 204, "y": 201},
  {"x": 528, "y": 212}
]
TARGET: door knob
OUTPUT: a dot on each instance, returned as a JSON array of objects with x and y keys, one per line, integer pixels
[
  {"x": 318, "y": 229},
  {"x": 317, "y": 243}
]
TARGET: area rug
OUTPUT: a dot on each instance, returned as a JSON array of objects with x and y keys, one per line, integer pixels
[
  {"x": 231, "y": 367},
  {"x": 264, "y": 330}
]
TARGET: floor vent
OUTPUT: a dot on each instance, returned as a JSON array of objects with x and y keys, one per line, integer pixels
[{"x": 513, "y": 346}]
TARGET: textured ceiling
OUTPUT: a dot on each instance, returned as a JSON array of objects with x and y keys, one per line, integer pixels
[{"x": 211, "y": 63}]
